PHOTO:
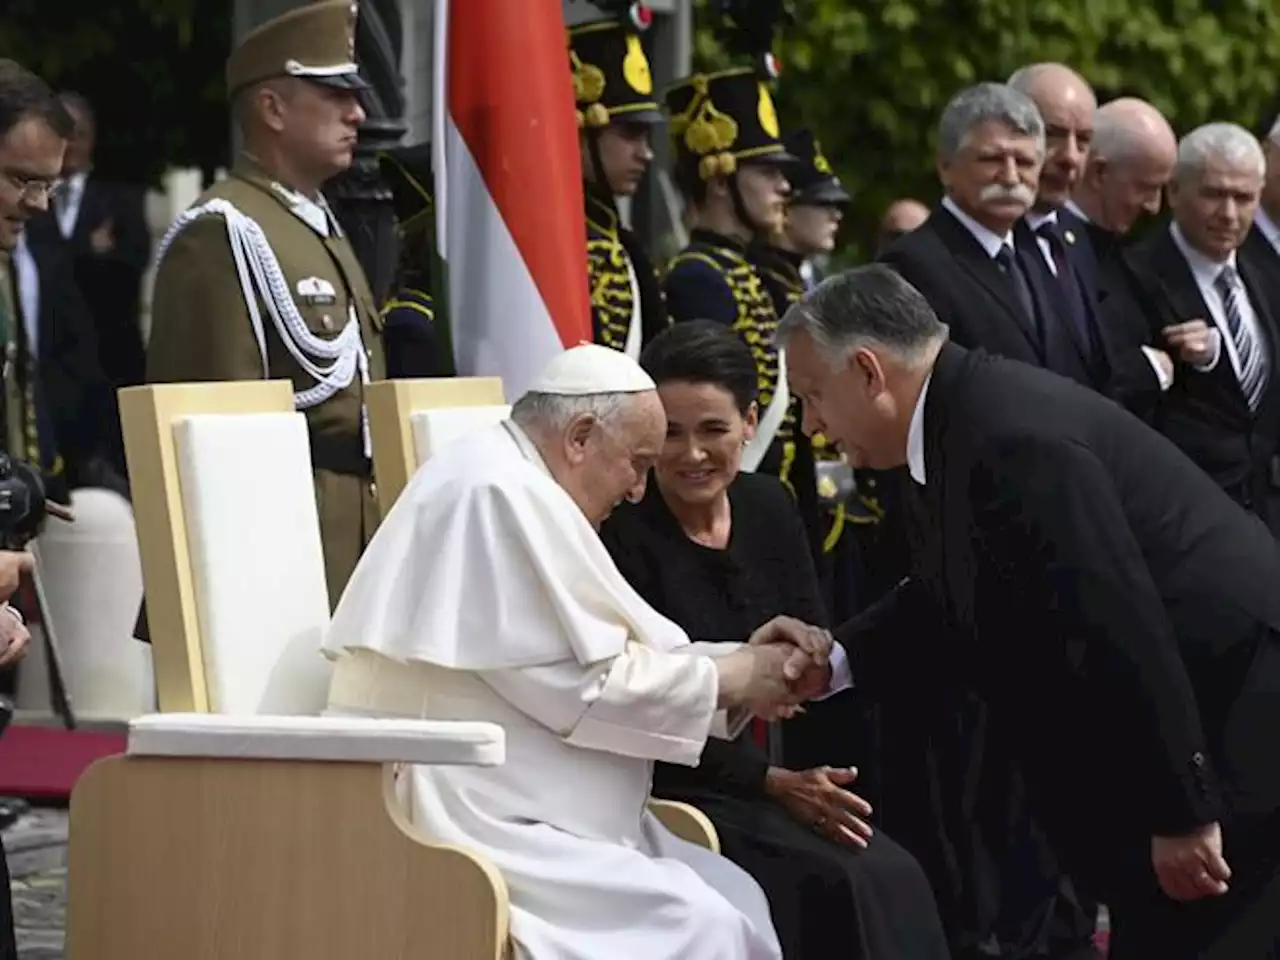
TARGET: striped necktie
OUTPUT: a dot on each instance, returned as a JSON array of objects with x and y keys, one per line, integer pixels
[{"x": 1253, "y": 363}]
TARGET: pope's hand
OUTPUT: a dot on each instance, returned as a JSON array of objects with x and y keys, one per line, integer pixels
[
  {"x": 810, "y": 646},
  {"x": 1191, "y": 867}
]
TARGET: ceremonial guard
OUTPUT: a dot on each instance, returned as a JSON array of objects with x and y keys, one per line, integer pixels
[
  {"x": 415, "y": 339},
  {"x": 257, "y": 280},
  {"x": 732, "y": 166},
  {"x": 616, "y": 109}
]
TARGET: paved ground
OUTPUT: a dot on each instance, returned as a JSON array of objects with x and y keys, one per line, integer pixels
[{"x": 37, "y": 848}]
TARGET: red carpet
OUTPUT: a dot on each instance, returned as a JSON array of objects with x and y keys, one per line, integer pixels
[{"x": 43, "y": 763}]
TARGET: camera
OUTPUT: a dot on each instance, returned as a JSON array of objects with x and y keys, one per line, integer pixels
[{"x": 22, "y": 502}]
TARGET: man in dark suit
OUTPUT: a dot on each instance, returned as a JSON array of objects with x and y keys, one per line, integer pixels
[
  {"x": 975, "y": 259},
  {"x": 1130, "y": 162},
  {"x": 1125, "y": 631},
  {"x": 1263, "y": 242},
  {"x": 102, "y": 226},
  {"x": 980, "y": 267},
  {"x": 1214, "y": 305}
]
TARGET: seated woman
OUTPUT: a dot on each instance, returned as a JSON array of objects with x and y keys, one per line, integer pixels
[{"x": 720, "y": 552}]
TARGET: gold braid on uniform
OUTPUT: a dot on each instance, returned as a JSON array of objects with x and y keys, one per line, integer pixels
[
  {"x": 609, "y": 277},
  {"x": 755, "y": 323}
]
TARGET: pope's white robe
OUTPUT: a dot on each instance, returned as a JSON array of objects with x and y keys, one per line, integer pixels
[{"x": 486, "y": 595}]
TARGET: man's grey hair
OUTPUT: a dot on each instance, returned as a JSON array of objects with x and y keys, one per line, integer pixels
[
  {"x": 871, "y": 306},
  {"x": 1227, "y": 143},
  {"x": 984, "y": 103},
  {"x": 1114, "y": 139},
  {"x": 553, "y": 411}
]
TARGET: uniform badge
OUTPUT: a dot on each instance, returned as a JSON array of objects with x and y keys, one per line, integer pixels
[
  {"x": 1070, "y": 236},
  {"x": 316, "y": 292}
]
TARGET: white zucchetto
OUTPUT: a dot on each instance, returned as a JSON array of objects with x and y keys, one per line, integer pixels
[{"x": 592, "y": 369}]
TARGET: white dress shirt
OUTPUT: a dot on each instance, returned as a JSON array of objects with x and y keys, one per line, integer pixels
[
  {"x": 991, "y": 242},
  {"x": 70, "y": 195}
]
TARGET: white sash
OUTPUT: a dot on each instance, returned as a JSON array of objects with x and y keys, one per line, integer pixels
[
  {"x": 635, "y": 332},
  {"x": 770, "y": 423}
]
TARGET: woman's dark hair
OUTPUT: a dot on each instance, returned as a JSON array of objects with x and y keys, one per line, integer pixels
[
  {"x": 23, "y": 95},
  {"x": 702, "y": 351}
]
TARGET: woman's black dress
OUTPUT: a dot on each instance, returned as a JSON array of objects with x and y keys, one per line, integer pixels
[{"x": 827, "y": 900}]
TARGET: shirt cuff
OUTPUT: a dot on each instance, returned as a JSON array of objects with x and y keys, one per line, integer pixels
[
  {"x": 1163, "y": 377},
  {"x": 841, "y": 673}
]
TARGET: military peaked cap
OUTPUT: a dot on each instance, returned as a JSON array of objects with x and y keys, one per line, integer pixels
[
  {"x": 721, "y": 120},
  {"x": 316, "y": 42},
  {"x": 612, "y": 82},
  {"x": 813, "y": 182}
]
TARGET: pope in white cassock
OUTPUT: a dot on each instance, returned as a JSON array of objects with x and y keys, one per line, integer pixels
[{"x": 487, "y": 595}]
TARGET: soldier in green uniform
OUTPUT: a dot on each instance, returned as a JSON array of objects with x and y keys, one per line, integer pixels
[
  {"x": 258, "y": 281},
  {"x": 616, "y": 110},
  {"x": 732, "y": 167},
  {"x": 415, "y": 343}
]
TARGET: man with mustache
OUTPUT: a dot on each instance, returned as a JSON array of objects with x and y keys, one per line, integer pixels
[
  {"x": 613, "y": 93},
  {"x": 258, "y": 281},
  {"x": 980, "y": 267}
]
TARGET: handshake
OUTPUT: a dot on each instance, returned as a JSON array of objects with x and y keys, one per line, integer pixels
[{"x": 783, "y": 664}]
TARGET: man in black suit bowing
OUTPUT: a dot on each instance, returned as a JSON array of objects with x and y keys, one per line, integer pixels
[
  {"x": 1117, "y": 610},
  {"x": 1213, "y": 305},
  {"x": 974, "y": 259}
]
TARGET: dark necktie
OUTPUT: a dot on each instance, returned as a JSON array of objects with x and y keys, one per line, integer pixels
[
  {"x": 1066, "y": 277},
  {"x": 1253, "y": 363},
  {"x": 1008, "y": 262}
]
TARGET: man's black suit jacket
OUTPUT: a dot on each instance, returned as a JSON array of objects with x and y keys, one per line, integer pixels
[
  {"x": 1205, "y": 413},
  {"x": 972, "y": 295},
  {"x": 1106, "y": 598}
]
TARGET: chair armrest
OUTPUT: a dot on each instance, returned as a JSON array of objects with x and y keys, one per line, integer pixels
[{"x": 337, "y": 739}]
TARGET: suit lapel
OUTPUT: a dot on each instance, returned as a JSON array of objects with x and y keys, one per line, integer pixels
[
  {"x": 972, "y": 258},
  {"x": 1264, "y": 312},
  {"x": 1051, "y": 300}
]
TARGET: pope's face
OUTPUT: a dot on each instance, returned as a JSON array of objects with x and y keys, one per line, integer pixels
[{"x": 616, "y": 457}]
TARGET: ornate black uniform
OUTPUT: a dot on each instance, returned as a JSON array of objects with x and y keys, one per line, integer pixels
[{"x": 612, "y": 84}]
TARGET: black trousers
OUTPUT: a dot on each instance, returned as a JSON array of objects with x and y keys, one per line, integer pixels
[{"x": 8, "y": 939}]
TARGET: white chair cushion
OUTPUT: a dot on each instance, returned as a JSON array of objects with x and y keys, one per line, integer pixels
[
  {"x": 350, "y": 739},
  {"x": 254, "y": 538},
  {"x": 437, "y": 428}
]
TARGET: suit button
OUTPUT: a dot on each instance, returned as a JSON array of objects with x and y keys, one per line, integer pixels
[{"x": 1197, "y": 759}]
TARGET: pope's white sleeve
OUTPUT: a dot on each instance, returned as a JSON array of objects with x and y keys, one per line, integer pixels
[{"x": 643, "y": 703}]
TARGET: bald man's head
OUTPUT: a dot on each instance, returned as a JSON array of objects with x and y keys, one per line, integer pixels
[
  {"x": 1134, "y": 150},
  {"x": 902, "y": 217},
  {"x": 1066, "y": 103}
]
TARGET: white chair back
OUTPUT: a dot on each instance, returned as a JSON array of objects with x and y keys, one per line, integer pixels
[
  {"x": 436, "y": 429},
  {"x": 253, "y": 535}
]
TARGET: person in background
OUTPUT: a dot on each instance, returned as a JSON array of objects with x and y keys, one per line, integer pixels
[
  {"x": 34, "y": 128},
  {"x": 412, "y": 337},
  {"x": 720, "y": 552},
  {"x": 900, "y": 218},
  {"x": 617, "y": 111}
]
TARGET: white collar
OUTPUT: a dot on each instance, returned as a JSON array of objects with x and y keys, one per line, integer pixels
[
  {"x": 1037, "y": 220},
  {"x": 915, "y": 435},
  {"x": 1268, "y": 227},
  {"x": 991, "y": 242},
  {"x": 1205, "y": 270},
  {"x": 1074, "y": 207},
  {"x": 314, "y": 213}
]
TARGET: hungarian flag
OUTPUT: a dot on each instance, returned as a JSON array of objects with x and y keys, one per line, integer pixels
[{"x": 509, "y": 203}]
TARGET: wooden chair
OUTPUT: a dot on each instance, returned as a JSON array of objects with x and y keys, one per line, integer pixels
[
  {"x": 410, "y": 420},
  {"x": 241, "y": 825}
]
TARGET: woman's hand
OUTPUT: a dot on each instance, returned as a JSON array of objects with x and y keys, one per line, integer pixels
[{"x": 817, "y": 799}]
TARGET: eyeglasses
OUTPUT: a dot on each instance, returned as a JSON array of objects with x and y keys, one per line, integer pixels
[{"x": 31, "y": 188}]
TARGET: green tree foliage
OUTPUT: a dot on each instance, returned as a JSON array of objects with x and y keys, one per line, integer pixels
[
  {"x": 153, "y": 70},
  {"x": 870, "y": 77}
]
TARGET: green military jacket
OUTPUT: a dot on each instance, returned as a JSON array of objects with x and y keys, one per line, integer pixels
[{"x": 201, "y": 330}]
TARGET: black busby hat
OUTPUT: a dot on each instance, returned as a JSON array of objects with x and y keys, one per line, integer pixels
[
  {"x": 407, "y": 171},
  {"x": 720, "y": 121},
  {"x": 612, "y": 82},
  {"x": 812, "y": 180}
]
